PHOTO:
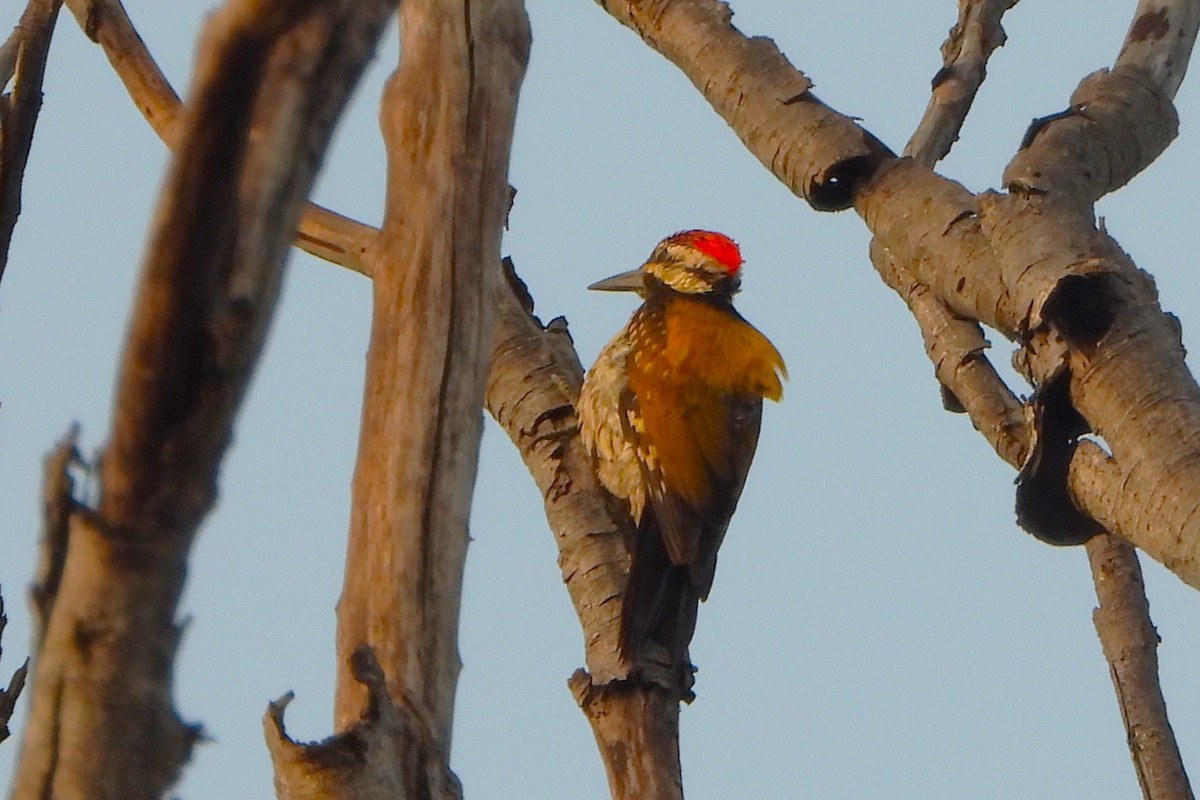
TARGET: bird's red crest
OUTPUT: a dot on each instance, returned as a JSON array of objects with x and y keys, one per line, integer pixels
[{"x": 723, "y": 249}]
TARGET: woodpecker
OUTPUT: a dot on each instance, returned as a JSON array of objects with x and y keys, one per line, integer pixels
[{"x": 670, "y": 413}]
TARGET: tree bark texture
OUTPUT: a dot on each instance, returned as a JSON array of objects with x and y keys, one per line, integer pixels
[
  {"x": 534, "y": 378},
  {"x": 975, "y": 35},
  {"x": 532, "y": 387},
  {"x": 533, "y": 383},
  {"x": 1032, "y": 264},
  {"x": 1130, "y": 647},
  {"x": 102, "y": 723},
  {"x": 447, "y": 120},
  {"x": 636, "y": 727}
]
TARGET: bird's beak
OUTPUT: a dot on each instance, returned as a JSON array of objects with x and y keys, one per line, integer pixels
[{"x": 631, "y": 281}]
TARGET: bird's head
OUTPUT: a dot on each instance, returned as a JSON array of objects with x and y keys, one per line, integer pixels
[{"x": 688, "y": 262}]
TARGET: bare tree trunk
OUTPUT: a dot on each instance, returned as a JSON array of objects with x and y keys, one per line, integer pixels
[
  {"x": 102, "y": 723},
  {"x": 447, "y": 118}
]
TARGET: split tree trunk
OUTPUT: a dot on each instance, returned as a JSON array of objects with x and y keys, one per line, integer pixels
[{"x": 447, "y": 117}]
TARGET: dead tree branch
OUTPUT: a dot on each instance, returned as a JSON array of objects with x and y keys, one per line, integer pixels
[
  {"x": 324, "y": 233},
  {"x": 1130, "y": 646},
  {"x": 956, "y": 346},
  {"x": 102, "y": 723},
  {"x": 593, "y": 557},
  {"x": 533, "y": 383},
  {"x": 1160, "y": 41},
  {"x": 828, "y": 163},
  {"x": 22, "y": 61},
  {"x": 1031, "y": 264},
  {"x": 447, "y": 117},
  {"x": 965, "y": 54}
]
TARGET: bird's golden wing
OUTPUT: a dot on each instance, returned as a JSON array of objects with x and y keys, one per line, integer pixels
[
  {"x": 696, "y": 443},
  {"x": 698, "y": 387},
  {"x": 694, "y": 449}
]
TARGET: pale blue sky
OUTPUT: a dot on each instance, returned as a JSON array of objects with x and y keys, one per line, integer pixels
[{"x": 879, "y": 627}]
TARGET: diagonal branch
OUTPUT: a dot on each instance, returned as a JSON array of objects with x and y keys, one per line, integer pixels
[
  {"x": 533, "y": 383},
  {"x": 1019, "y": 259},
  {"x": 321, "y": 232},
  {"x": 1130, "y": 645},
  {"x": 816, "y": 152},
  {"x": 965, "y": 53},
  {"x": 1122, "y": 621},
  {"x": 828, "y": 166},
  {"x": 22, "y": 61},
  {"x": 1160, "y": 41}
]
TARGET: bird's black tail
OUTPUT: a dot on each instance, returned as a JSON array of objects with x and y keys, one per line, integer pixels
[{"x": 659, "y": 607}]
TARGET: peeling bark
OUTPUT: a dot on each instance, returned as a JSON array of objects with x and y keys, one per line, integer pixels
[
  {"x": 819, "y": 154},
  {"x": 1029, "y": 263},
  {"x": 982, "y": 259},
  {"x": 533, "y": 383}
]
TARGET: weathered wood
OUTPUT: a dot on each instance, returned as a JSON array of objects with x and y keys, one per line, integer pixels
[
  {"x": 1130, "y": 645},
  {"x": 447, "y": 120},
  {"x": 532, "y": 387},
  {"x": 102, "y": 723},
  {"x": 637, "y": 732}
]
